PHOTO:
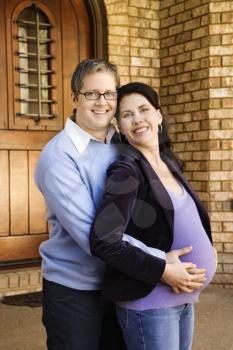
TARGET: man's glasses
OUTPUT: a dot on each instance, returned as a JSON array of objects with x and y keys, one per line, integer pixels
[{"x": 95, "y": 95}]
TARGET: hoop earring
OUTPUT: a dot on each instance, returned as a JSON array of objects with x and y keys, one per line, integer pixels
[{"x": 160, "y": 128}]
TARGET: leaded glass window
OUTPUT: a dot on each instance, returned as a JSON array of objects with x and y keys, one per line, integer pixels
[{"x": 34, "y": 65}]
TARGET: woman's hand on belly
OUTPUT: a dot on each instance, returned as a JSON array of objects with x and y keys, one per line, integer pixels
[
  {"x": 182, "y": 277},
  {"x": 174, "y": 255}
]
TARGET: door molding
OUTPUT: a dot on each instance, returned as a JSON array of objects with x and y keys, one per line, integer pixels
[{"x": 99, "y": 33}]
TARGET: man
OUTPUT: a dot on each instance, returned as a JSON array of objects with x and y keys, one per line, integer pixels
[{"x": 71, "y": 176}]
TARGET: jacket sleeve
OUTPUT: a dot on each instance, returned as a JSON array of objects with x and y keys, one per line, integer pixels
[{"x": 113, "y": 216}]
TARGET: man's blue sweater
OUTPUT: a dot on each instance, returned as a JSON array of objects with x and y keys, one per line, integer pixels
[{"x": 73, "y": 185}]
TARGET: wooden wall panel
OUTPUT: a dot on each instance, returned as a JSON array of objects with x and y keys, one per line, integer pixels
[
  {"x": 3, "y": 71},
  {"x": 69, "y": 39},
  {"x": 21, "y": 140},
  {"x": 19, "y": 192},
  {"x": 20, "y": 247},
  {"x": 37, "y": 209},
  {"x": 4, "y": 197}
]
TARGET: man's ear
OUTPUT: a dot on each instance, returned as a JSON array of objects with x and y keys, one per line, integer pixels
[
  {"x": 119, "y": 127},
  {"x": 74, "y": 100}
]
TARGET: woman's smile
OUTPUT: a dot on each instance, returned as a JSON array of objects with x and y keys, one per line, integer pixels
[{"x": 141, "y": 130}]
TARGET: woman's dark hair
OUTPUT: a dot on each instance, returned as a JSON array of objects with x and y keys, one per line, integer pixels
[{"x": 151, "y": 95}]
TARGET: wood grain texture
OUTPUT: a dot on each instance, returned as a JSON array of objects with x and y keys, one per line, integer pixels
[
  {"x": 20, "y": 248},
  {"x": 84, "y": 29},
  {"x": 21, "y": 140},
  {"x": 37, "y": 209},
  {"x": 4, "y": 197},
  {"x": 69, "y": 39},
  {"x": 19, "y": 192}
]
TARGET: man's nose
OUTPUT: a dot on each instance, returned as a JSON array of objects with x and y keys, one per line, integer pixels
[{"x": 101, "y": 100}]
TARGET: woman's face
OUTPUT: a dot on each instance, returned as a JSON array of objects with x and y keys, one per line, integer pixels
[{"x": 139, "y": 120}]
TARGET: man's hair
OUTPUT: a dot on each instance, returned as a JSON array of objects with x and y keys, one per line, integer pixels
[{"x": 91, "y": 66}]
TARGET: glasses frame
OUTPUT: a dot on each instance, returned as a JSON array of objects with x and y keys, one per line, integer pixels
[{"x": 99, "y": 94}]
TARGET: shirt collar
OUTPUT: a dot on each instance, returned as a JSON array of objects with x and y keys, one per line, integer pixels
[{"x": 81, "y": 138}]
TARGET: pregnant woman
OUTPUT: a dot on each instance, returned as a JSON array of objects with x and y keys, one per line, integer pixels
[{"x": 148, "y": 197}]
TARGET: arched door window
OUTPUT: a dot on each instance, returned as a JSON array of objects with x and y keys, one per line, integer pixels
[{"x": 34, "y": 65}]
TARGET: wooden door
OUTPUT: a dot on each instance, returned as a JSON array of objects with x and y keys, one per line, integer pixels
[{"x": 41, "y": 43}]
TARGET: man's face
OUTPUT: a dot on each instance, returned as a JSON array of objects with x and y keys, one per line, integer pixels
[{"x": 94, "y": 116}]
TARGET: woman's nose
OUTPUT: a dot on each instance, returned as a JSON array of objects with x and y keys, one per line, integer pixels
[{"x": 138, "y": 118}]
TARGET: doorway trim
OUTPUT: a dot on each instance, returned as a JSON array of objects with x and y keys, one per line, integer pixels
[{"x": 99, "y": 29}]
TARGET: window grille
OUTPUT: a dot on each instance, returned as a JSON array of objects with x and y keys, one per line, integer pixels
[{"x": 34, "y": 65}]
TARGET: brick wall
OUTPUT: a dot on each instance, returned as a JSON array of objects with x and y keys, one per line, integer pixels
[
  {"x": 197, "y": 90},
  {"x": 20, "y": 281},
  {"x": 118, "y": 36},
  {"x": 184, "y": 84},
  {"x": 133, "y": 40},
  {"x": 221, "y": 134}
]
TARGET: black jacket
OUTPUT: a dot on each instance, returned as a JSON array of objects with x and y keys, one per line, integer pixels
[{"x": 136, "y": 202}]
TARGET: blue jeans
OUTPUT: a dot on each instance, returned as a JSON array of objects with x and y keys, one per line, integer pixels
[{"x": 158, "y": 329}]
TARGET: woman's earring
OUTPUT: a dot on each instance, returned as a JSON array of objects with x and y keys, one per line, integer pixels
[{"x": 160, "y": 128}]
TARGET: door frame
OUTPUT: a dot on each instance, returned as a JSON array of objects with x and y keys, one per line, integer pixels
[{"x": 99, "y": 29}]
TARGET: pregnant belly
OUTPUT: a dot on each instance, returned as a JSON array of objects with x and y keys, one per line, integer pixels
[
  {"x": 189, "y": 230},
  {"x": 202, "y": 255},
  {"x": 162, "y": 295}
]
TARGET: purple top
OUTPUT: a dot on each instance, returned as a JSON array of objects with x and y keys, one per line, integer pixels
[{"x": 188, "y": 230}]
